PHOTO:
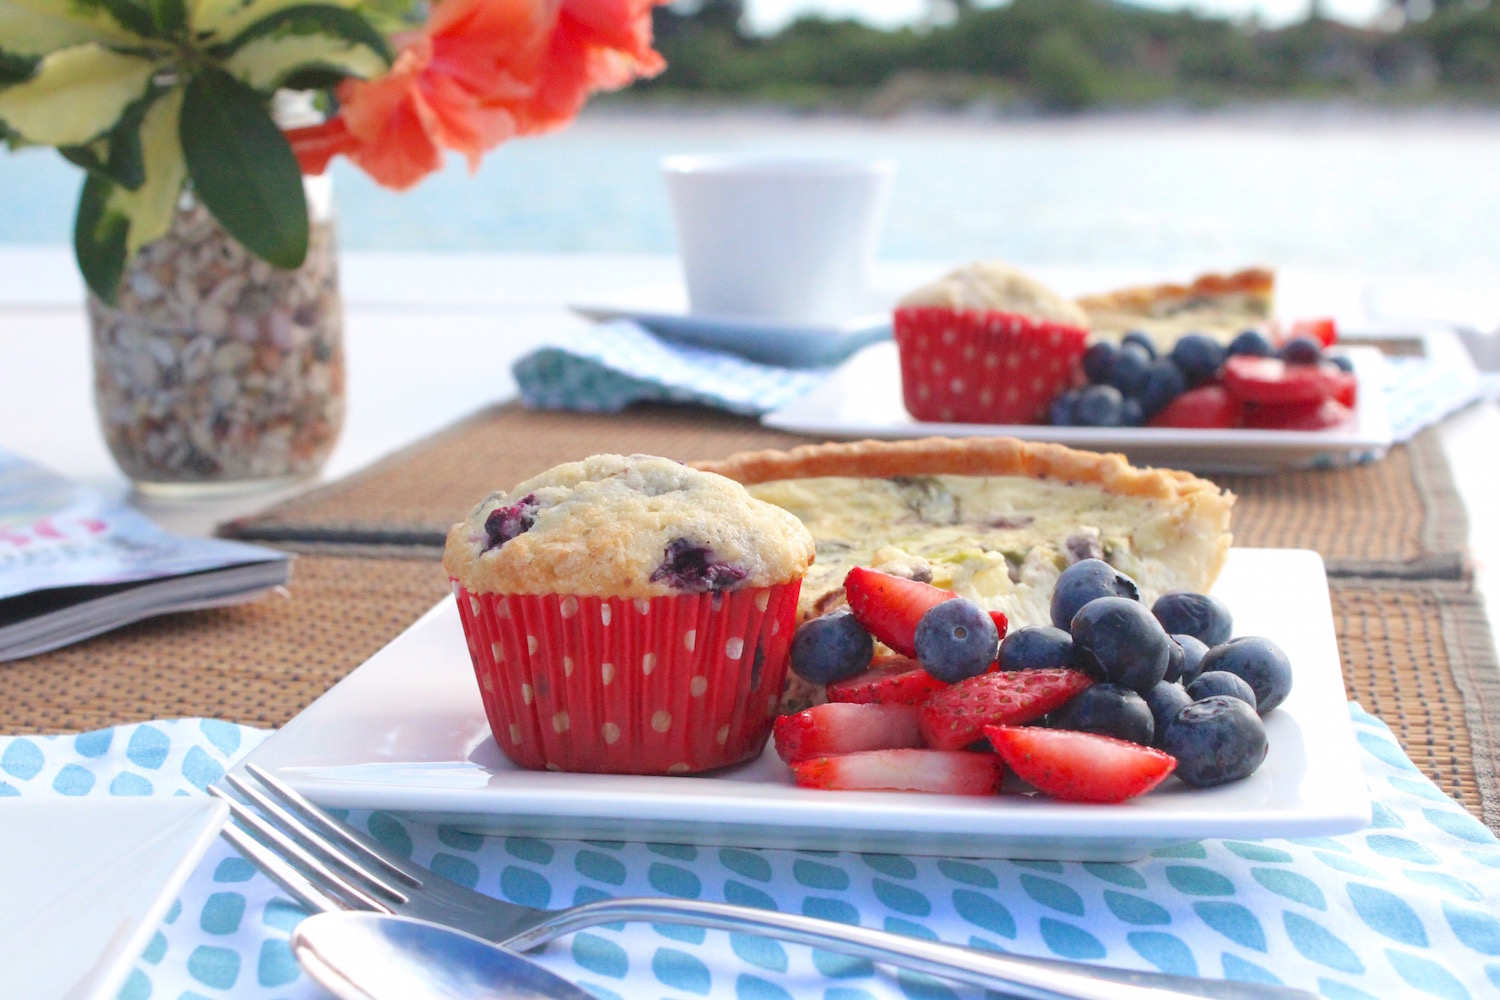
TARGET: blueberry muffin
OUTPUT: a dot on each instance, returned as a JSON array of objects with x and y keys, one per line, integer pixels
[{"x": 628, "y": 615}]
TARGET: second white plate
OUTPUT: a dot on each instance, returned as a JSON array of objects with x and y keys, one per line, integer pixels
[
  {"x": 406, "y": 732},
  {"x": 862, "y": 399}
]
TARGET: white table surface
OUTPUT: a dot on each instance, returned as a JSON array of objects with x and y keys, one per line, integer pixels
[{"x": 430, "y": 338}]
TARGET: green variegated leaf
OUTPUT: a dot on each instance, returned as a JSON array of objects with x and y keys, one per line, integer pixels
[
  {"x": 14, "y": 69},
  {"x": 170, "y": 15},
  {"x": 99, "y": 237},
  {"x": 37, "y": 27},
  {"x": 117, "y": 155},
  {"x": 76, "y": 95},
  {"x": 151, "y": 206},
  {"x": 224, "y": 20},
  {"x": 133, "y": 16},
  {"x": 242, "y": 168},
  {"x": 315, "y": 21},
  {"x": 266, "y": 62}
]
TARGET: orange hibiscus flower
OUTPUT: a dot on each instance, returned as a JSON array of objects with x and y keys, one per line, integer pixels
[{"x": 481, "y": 72}]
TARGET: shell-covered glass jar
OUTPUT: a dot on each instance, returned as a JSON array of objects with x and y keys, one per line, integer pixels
[{"x": 215, "y": 371}]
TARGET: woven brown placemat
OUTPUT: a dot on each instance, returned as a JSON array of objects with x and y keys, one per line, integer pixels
[
  {"x": 257, "y": 664},
  {"x": 1419, "y": 655},
  {"x": 1397, "y": 517}
]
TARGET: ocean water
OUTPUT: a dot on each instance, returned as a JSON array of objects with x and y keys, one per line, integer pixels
[{"x": 1328, "y": 187}]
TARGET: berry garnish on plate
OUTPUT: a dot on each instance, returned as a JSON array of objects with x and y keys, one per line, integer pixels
[
  {"x": 1165, "y": 701},
  {"x": 836, "y": 728},
  {"x": 1080, "y": 767},
  {"x": 956, "y": 716},
  {"x": 1084, "y": 581},
  {"x": 1117, "y": 639},
  {"x": 1316, "y": 416},
  {"x": 946, "y": 772},
  {"x": 1198, "y": 357},
  {"x": 1212, "y": 683},
  {"x": 830, "y": 648},
  {"x": 1252, "y": 343},
  {"x": 1215, "y": 741},
  {"x": 1193, "y": 651},
  {"x": 1260, "y": 662},
  {"x": 1036, "y": 647},
  {"x": 891, "y": 680},
  {"x": 889, "y": 607},
  {"x": 1210, "y": 406},
  {"x": 1301, "y": 350},
  {"x": 1182, "y": 612},
  {"x": 1140, "y": 340},
  {"x": 1128, "y": 374},
  {"x": 1109, "y": 710},
  {"x": 955, "y": 640}
]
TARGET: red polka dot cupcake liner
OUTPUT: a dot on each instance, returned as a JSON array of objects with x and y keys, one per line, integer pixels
[
  {"x": 670, "y": 685},
  {"x": 984, "y": 367}
]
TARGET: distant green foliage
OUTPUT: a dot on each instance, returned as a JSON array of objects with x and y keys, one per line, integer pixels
[{"x": 1068, "y": 55}]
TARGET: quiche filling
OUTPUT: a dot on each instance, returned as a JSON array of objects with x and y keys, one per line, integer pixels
[{"x": 1001, "y": 541}]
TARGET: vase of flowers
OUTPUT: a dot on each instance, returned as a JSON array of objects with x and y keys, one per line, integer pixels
[{"x": 203, "y": 229}]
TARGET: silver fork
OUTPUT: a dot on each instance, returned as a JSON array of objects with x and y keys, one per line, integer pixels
[{"x": 326, "y": 864}]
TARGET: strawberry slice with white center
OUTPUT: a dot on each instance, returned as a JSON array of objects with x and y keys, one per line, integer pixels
[
  {"x": 889, "y": 607},
  {"x": 837, "y": 728},
  {"x": 956, "y": 716},
  {"x": 1271, "y": 380},
  {"x": 946, "y": 772},
  {"x": 1297, "y": 416},
  {"x": 1080, "y": 767},
  {"x": 892, "y": 680},
  {"x": 1208, "y": 406}
]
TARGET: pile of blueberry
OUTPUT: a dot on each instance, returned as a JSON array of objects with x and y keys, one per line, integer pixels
[
  {"x": 1169, "y": 677},
  {"x": 1129, "y": 384}
]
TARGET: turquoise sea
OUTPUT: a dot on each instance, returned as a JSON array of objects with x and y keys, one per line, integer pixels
[{"x": 1323, "y": 187}]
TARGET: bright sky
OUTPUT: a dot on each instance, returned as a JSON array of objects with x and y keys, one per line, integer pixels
[{"x": 768, "y": 15}]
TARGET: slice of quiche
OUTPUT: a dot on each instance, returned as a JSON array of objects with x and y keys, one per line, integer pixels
[
  {"x": 994, "y": 519},
  {"x": 1220, "y": 305}
]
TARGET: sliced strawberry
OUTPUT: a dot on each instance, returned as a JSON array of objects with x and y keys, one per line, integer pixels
[
  {"x": 1080, "y": 767},
  {"x": 1345, "y": 386},
  {"x": 1205, "y": 406},
  {"x": 1271, "y": 380},
  {"x": 984, "y": 366},
  {"x": 947, "y": 772},
  {"x": 837, "y": 728},
  {"x": 1314, "y": 416},
  {"x": 1002, "y": 623},
  {"x": 893, "y": 680},
  {"x": 956, "y": 716},
  {"x": 889, "y": 607}
]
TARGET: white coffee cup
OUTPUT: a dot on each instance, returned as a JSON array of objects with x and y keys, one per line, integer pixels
[{"x": 779, "y": 237}]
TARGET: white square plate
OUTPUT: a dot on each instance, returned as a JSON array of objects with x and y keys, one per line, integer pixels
[
  {"x": 85, "y": 883},
  {"x": 862, "y": 399},
  {"x": 406, "y": 732}
]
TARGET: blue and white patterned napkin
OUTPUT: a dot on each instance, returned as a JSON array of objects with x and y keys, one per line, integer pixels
[
  {"x": 1420, "y": 392},
  {"x": 1407, "y": 907},
  {"x": 607, "y": 367}
]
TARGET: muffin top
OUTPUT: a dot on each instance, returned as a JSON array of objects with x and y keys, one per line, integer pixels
[
  {"x": 992, "y": 285},
  {"x": 625, "y": 526}
]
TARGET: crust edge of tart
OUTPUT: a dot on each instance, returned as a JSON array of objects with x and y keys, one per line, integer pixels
[{"x": 997, "y": 456}]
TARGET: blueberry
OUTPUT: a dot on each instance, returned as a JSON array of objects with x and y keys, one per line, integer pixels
[
  {"x": 689, "y": 566},
  {"x": 956, "y": 639},
  {"x": 1060, "y": 413},
  {"x": 1082, "y": 582},
  {"x": 1099, "y": 362},
  {"x": 1109, "y": 710},
  {"x": 1164, "y": 383},
  {"x": 1175, "y": 660},
  {"x": 1098, "y": 406},
  {"x": 1203, "y": 617},
  {"x": 1220, "y": 682},
  {"x": 1198, "y": 356},
  {"x": 1117, "y": 639},
  {"x": 1036, "y": 647},
  {"x": 1252, "y": 343},
  {"x": 505, "y": 523},
  {"x": 1140, "y": 340},
  {"x": 1216, "y": 740},
  {"x": 1165, "y": 701},
  {"x": 1342, "y": 363},
  {"x": 1260, "y": 663},
  {"x": 1131, "y": 413},
  {"x": 831, "y": 648},
  {"x": 1193, "y": 651},
  {"x": 1301, "y": 351},
  {"x": 1129, "y": 371}
]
